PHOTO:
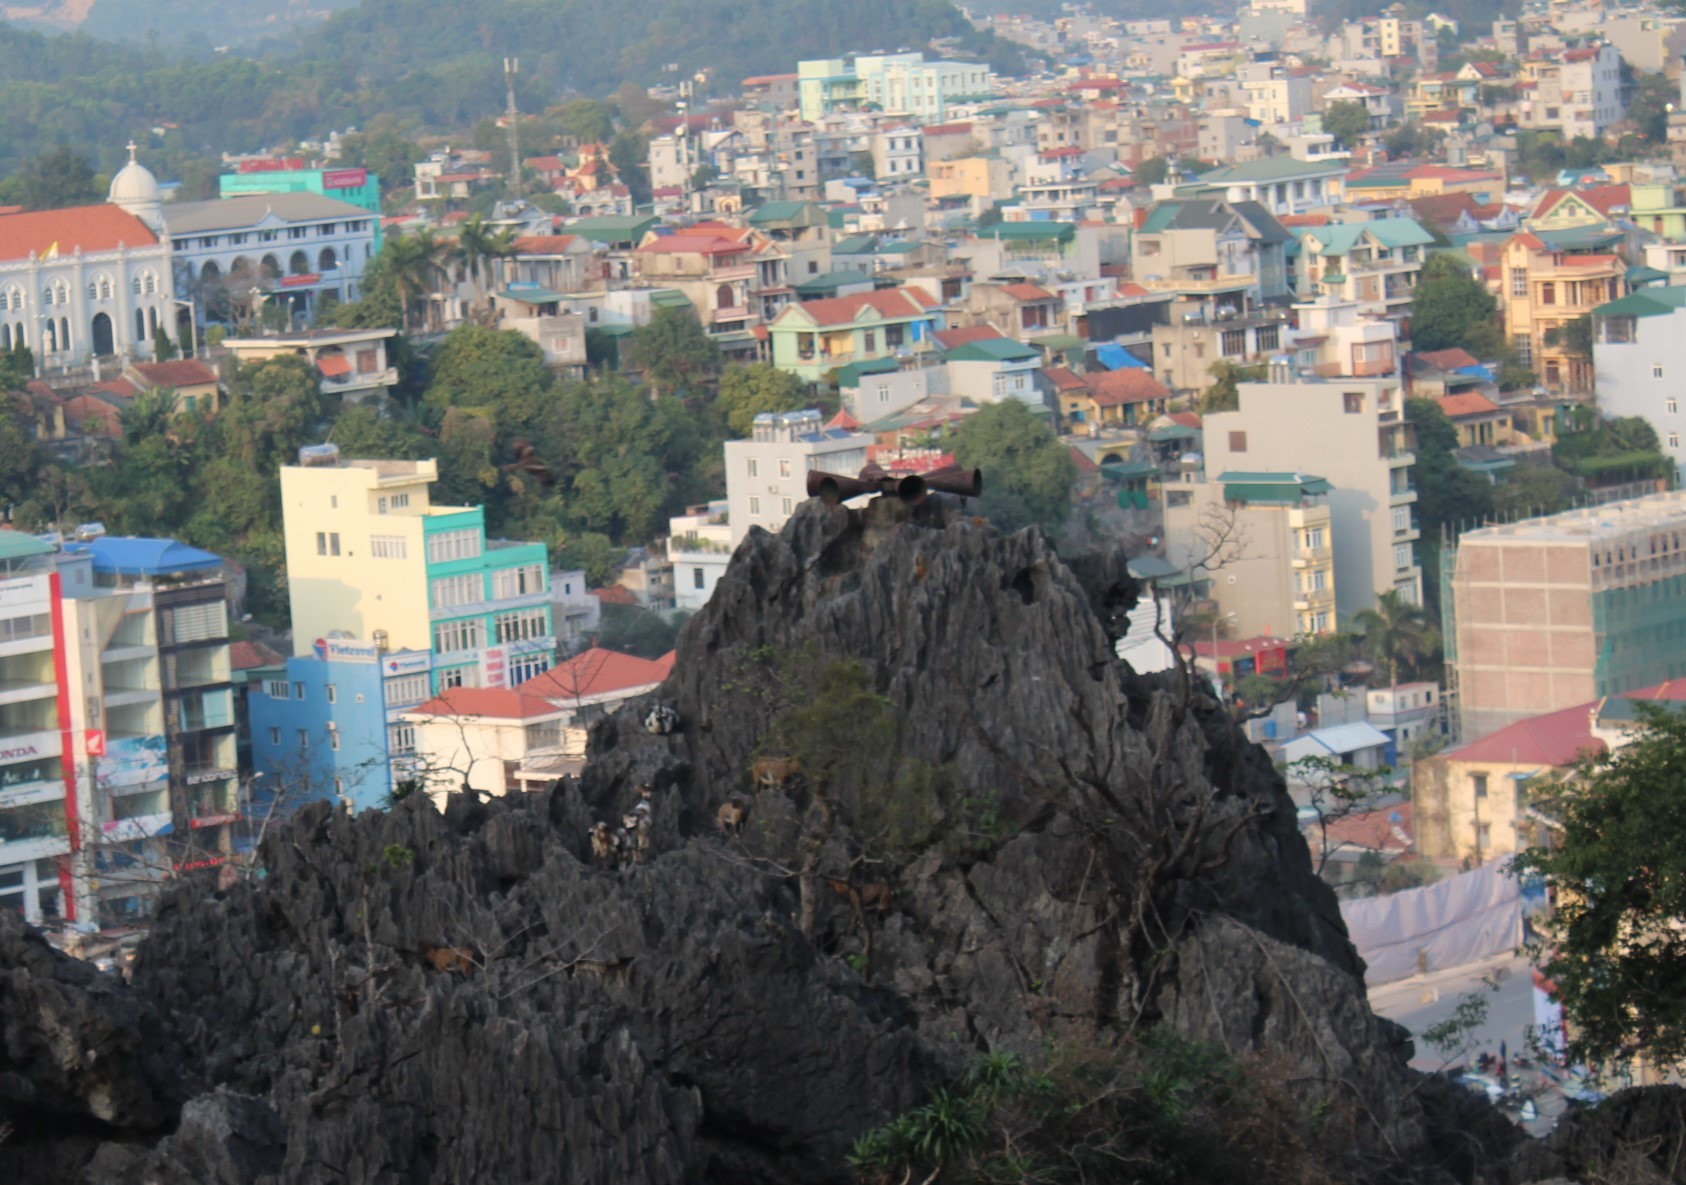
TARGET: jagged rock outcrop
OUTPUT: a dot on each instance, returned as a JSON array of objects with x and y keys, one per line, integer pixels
[{"x": 419, "y": 996}]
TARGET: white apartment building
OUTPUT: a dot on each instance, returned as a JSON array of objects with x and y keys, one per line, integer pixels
[
  {"x": 699, "y": 546},
  {"x": 1578, "y": 91},
  {"x": 898, "y": 152},
  {"x": 1639, "y": 362},
  {"x": 767, "y": 475}
]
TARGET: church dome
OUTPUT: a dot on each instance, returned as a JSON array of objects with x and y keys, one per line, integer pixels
[
  {"x": 135, "y": 189},
  {"x": 134, "y": 182}
]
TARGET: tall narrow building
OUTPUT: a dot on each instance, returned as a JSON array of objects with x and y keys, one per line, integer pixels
[{"x": 394, "y": 599}]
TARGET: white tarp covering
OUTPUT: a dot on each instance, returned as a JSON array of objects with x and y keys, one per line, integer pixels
[{"x": 1446, "y": 924}]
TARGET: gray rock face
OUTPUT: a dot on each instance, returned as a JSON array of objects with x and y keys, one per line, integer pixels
[{"x": 427, "y": 997}]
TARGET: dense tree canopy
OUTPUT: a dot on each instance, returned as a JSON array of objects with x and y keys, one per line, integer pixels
[
  {"x": 1615, "y": 946},
  {"x": 1449, "y": 305},
  {"x": 1028, "y": 473},
  {"x": 748, "y": 391}
]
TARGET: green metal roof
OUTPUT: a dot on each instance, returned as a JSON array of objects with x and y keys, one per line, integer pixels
[
  {"x": 1580, "y": 238},
  {"x": 855, "y": 245},
  {"x": 1275, "y": 168},
  {"x": 1062, "y": 231},
  {"x": 850, "y": 375},
  {"x": 1389, "y": 232},
  {"x": 612, "y": 228},
  {"x": 830, "y": 282},
  {"x": 1129, "y": 470},
  {"x": 1647, "y": 302},
  {"x": 774, "y": 212},
  {"x": 1058, "y": 341},
  {"x": 1240, "y": 486},
  {"x": 1172, "y": 432},
  {"x": 532, "y": 295},
  {"x": 1644, "y": 275},
  {"x": 15, "y": 545},
  {"x": 669, "y": 298},
  {"x": 992, "y": 349}
]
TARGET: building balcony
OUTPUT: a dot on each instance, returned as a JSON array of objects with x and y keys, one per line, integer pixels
[
  {"x": 733, "y": 315},
  {"x": 1314, "y": 600},
  {"x": 1403, "y": 497},
  {"x": 27, "y": 793},
  {"x": 17, "y": 691},
  {"x": 725, "y": 275},
  {"x": 27, "y": 848},
  {"x": 124, "y": 697},
  {"x": 1214, "y": 284},
  {"x": 1306, "y": 557}
]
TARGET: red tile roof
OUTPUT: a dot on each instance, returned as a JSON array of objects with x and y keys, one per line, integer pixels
[
  {"x": 181, "y": 372},
  {"x": 1131, "y": 288},
  {"x": 501, "y": 703},
  {"x": 1188, "y": 419},
  {"x": 1603, "y": 198},
  {"x": 1449, "y": 359},
  {"x": 1466, "y": 403},
  {"x": 1116, "y": 388},
  {"x": 843, "y": 420},
  {"x": 92, "y": 416},
  {"x": 949, "y": 129},
  {"x": 92, "y": 228},
  {"x": 248, "y": 656},
  {"x": 891, "y": 302},
  {"x": 599, "y": 672},
  {"x": 1063, "y": 379},
  {"x": 1555, "y": 739},
  {"x": 614, "y": 594},
  {"x": 1388, "y": 829},
  {"x": 543, "y": 244},
  {"x": 693, "y": 244},
  {"x": 1027, "y": 292},
  {"x": 952, "y": 339},
  {"x": 1084, "y": 462}
]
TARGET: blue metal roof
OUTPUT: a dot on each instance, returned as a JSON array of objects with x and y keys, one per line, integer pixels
[{"x": 129, "y": 556}]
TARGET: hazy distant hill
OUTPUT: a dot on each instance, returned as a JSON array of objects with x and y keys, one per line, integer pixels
[{"x": 212, "y": 21}]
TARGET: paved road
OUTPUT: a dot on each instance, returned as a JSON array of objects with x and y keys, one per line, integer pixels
[{"x": 1425, "y": 1000}]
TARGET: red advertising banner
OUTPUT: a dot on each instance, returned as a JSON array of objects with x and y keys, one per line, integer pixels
[{"x": 345, "y": 179}]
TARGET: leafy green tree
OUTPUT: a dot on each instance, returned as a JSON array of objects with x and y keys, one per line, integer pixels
[
  {"x": 586, "y": 120},
  {"x": 748, "y": 391},
  {"x": 1153, "y": 170},
  {"x": 163, "y": 349},
  {"x": 57, "y": 178},
  {"x": 628, "y": 153},
  {"x": 386, "y": 152},
  {"x": 1347, "y": 120},
  {"x": 1397, "y": 634},
  {"x": 593, "y": 553},
  {"x": 1615, "y": 946},
  {"x": 615, "y": 460},
  {"x": 497, "y": 369},
  {"x": 1225, "y": 393},
  {"x": 1448, "y": 302},
  {"x": 20, "y": 461},
  {"x": 635, "y": 630},
  {"x": 1028, "y": 474},
  {"x": 479, "y": 244},
  {"x": 274, "y": 407},
  {"x": 17, "y": 367},
  {"x": 1447, "y": 493},
  {"x": 410, "y": 261},
  {"x": 673, "y": 351},
  {"x": 1535, "y": 489}
]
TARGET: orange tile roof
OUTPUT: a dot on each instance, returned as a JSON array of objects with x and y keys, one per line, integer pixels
[
  {"x": 599, "y": 672},
  {"x": 1084, "y": 462},
  {"x": 500, "y": 703},
  {"x": 614, "y": 594},
  {"x": 1063, "y": 379},
  {"x": 1188, "y": 419},
  {"x": 1449, "y": 359},
  {"x": 181, "y": 372},
  {"x": 953, "y": 339},
  {"x": 693, "y": 244},
  {"x": 1387, "y": 829},
  {"x": 1027, "y": 292},
  {"x": 93, "y": 416},
  {"x": 1116, "y": 388},
  {"x": 1466, "y": 403},
  {"x": 92, "y": 228}
]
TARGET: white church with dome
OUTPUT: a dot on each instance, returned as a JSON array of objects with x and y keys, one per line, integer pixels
[{"x": 89, "y": 281}]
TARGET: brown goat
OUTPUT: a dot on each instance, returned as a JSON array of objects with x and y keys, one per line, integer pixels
[
  {"x": 604, "y": 846},
  {"x": 455, "y": 959},
  {"x": 875, "y": 896},
  {"x": 774, "y": 773},
  {"x": 731, "y": 817}
]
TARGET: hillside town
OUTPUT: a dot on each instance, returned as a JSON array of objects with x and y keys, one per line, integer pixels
[{"x": 1360, "y": 336}]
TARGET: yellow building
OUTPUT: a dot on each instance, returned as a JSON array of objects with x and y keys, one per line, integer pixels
[
  {"x": 356, "y": 535},
  {"x": 1545, "y": 287},
  {"x": 971, "y": 176}
]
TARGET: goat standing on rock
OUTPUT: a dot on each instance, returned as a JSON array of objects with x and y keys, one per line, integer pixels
[
  {"x": 604, "y": 845},
  {"x": 731, "y": 817}
]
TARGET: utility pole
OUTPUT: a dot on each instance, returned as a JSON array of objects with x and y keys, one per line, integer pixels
[
  {"x": 683, "y": 131},
  {"x": 512, "y": 67}
]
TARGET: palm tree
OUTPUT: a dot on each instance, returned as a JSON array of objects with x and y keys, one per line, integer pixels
[
  {"x": 411, "y": 260},
  {"x": 1396, "y": 632},
  {"x": 478, "y": 245}
]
